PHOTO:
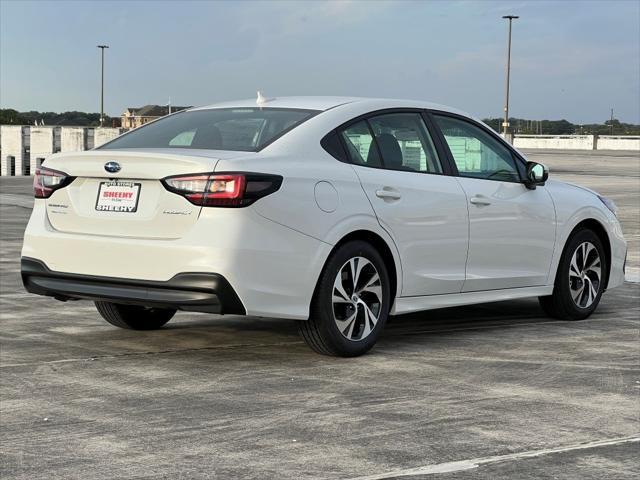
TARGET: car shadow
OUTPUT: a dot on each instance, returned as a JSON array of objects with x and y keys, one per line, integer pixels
[
  {"x": 498, "y": 315},
  {"x": 80, "y": 333}
]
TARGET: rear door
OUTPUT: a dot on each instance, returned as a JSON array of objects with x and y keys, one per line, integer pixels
[
  {"x": 130, "y": 202},
  {"x": 424, "y": 210},
  {"x": 511, "y": 228}
]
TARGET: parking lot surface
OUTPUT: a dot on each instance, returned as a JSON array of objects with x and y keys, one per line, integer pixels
[{"x": 489, "y": 391}]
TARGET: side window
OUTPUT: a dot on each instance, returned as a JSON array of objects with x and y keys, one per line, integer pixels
[
  {"x": 476, "y": 153},
  {"x": 360, "y": 146},
  {"x": 405, "y": 143}
]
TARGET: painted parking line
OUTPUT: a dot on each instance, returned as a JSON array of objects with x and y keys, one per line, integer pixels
[{"x": 461, "y": 465}]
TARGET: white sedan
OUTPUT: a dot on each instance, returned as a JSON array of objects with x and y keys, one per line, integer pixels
[{"x": 334, "y": 212}]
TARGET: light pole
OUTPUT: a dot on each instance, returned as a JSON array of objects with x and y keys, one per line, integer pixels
[
  {"x": 102, "y": 47},
  {"x": 505, "y": 124}
]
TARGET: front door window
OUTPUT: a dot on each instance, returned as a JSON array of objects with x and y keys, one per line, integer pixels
[{"x": 476, "y": 153}]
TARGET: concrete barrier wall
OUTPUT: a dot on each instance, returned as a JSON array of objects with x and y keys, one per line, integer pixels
[
  {"x": 561, "y": 142},
  {"x": 609, "y": 142},
  {"x": 24, "y": 147},
  {"x": 45, "y": 141},
  {"x": 73, "y": 139},
  {"x": 14, "y": 147},
  {"x": 104, "y": 135},
  {"x": 578, "y": 142}
]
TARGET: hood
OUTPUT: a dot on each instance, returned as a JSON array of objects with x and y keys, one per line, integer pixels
[{"x": 560, "y": 182}]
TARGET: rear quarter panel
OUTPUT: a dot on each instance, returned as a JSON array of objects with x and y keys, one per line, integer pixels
[{"x": 297, "y": 204}]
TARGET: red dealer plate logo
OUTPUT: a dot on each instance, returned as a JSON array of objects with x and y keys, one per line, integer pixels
[{"x": 118, "y": 196}]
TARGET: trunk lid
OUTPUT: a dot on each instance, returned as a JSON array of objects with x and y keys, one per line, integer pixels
[{"x": 131, "y": 202}]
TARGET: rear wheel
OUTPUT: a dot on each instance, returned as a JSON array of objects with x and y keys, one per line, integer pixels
[
  {"x": 351, "y": 303},
  {"x": 580, "y": 280},
  {"x": 134, "y": 317}
]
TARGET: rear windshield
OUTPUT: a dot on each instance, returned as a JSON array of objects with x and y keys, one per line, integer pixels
[{"x": 241, "y": 129}]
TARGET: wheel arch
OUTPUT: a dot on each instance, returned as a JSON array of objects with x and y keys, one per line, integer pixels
[
  {"x": 601, "y": 232},
  {"x": 379, "y": 244}
]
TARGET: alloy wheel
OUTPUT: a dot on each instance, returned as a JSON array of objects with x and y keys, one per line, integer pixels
[
  {"x": 585, "y": 275},
  {"x": 357, "y": 298}
]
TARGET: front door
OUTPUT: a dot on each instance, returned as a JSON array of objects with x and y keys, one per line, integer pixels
[{"x": 511, "y": 228}]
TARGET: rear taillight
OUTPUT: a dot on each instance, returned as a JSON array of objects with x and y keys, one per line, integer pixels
[
  {"x": 223, "y": 189},
  {"x": 47, "y": 181}
]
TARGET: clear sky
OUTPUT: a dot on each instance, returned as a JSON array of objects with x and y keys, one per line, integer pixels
[{"x": 571, "y": 59}]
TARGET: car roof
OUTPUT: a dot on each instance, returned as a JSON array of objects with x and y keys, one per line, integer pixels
[{"x": 327, "y": 103}]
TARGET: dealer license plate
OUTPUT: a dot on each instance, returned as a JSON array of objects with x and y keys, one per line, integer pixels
[{"x": 118, "y": 196}]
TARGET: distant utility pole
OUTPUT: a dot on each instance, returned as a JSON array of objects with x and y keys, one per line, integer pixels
[
  {"x": 612, "y": 121},
  {"x": 505, "y": 124},
  {"x": 102, "y": 47}
]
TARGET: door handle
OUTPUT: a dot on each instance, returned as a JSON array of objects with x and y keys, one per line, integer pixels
[
  {"x": 480, "y": 200},
  {"x": 388, "y": 194}
]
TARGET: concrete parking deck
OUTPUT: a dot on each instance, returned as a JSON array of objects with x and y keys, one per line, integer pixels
[{"x": 491, "y": 391}]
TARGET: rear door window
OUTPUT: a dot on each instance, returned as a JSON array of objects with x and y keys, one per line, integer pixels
[
  {"x": 393, "y": 141},
  {"x": 405, "y": 143},
  {"x": 361, "y": 149}
]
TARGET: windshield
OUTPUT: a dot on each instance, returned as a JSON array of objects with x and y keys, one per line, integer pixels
[{"x": 240, "y": 129}]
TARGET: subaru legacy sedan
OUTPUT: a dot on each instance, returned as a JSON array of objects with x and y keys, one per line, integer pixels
[{"x": 333, "y": 212}]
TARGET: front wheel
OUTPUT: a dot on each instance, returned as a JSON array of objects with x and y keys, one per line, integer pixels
[
  {"x": 351, "y": 303},
  {"x": 580, "y": 280},
  {"x": 134, "y": 317}
]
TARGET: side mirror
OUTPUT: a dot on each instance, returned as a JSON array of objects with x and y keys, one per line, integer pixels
[{"x": 537, "y": 174}]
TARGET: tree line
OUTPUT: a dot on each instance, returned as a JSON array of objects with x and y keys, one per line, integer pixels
[
  {"x": 523, "y": 126},
  {"x": 9, "y": 116},
  {"x": 564, "y": 127}
]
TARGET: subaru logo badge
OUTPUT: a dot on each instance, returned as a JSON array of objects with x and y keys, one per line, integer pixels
[{"x": 112, "y": 167}]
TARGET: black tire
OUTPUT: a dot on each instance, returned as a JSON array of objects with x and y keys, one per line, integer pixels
[
  {"x": 321, "y": 332},
  {"x": 134, "y": 317},
  {"x": 560, "y": 304}
]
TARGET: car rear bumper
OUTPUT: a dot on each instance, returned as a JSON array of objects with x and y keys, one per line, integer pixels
[
  {"x": 273, "y": 268},
  {"x": 198, "y": 292}
]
